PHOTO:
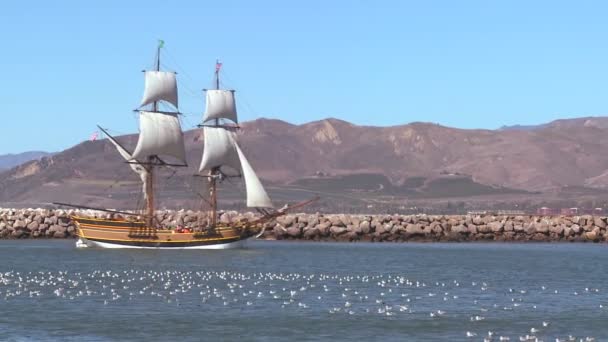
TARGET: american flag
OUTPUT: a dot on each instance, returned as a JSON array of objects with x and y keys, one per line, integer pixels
[{"x": 218, "y": 66}]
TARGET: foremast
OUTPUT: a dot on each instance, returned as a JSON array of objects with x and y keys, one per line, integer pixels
[
  {"x": 160, "y": 130},
  {"x": 149, "y": 188},
  {"x": 222, "y": 156},
  {"x": 214, "y": 172}
]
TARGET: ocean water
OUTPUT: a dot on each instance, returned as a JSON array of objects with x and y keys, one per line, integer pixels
[{"x": 292, "y": 291}]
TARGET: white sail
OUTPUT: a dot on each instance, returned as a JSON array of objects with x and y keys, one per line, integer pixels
[
  {"x": 219, "y": 150},
  {"x": 220, "y": 105},
  {"x": 138, "y": 168},
  {"x": 160, "y": 86},
  {"x": 256, "y": 195},
  {"x": 160, "y": 134}
]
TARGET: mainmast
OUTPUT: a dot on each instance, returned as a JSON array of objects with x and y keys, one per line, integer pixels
[{"x": 222, "y": 156}]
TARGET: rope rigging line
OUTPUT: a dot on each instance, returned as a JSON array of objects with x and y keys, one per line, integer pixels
[
  {"x": 190, "y": 124},
  {"x": 243, "y": 103},
  {"x": 182, "y": 71},
  {"x": 237, "y": 186},
  {"x": 190, "y": 92},
  {"x": 115, "y": 132},
  {"x": 139, "y": 205},
  {"x": 105, "y": 191},
  {"x": 174, "y": 171},
  {"x": 203, "y": 198},
  {"x": 242, "y": 98}
]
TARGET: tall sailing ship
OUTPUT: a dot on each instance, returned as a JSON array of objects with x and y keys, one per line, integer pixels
[{"x": 161, "y": 144}]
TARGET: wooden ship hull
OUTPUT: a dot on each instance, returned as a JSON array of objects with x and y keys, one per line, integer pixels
[{"x": 105, "y": 233}]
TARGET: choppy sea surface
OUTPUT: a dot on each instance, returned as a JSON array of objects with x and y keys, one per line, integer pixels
[{"x": 291, "y": 291}]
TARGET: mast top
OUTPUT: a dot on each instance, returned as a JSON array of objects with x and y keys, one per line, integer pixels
[
  {"x": 220, "y": 103},
  {"x": 160, "y": 132},
  {"x": 161, "y": 44},
  {"x": 159, "y": 85},
  {"x": 218, "y": 67}
]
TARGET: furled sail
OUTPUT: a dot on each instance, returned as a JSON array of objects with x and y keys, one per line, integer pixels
[
  {"x": 136, "y": 167},
  {"x": 220, "y": 105},
  {"x": 219, "y": 151},
  {"x": 160, "y": 134},
  {"x": 256, "y": 195},
  {"x": 160, "y": 86}
]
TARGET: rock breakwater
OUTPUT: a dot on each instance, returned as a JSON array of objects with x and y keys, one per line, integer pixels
[{"x": 48, "y": 223}]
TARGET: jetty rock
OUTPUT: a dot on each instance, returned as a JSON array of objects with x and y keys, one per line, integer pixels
[{"x": 56, "y": 223}]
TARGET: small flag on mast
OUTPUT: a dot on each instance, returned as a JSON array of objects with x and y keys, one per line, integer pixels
[
  {"x": 94, "y": 136},
  {"x": 218, "y": 66},
  {"x": 161, "y": 43}
]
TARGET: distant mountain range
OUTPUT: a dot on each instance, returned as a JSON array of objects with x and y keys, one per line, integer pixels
[
  {"x": 521, "y": 127},
  {"x": 8, "y": 161},
  {"x": 591, "y": 121},
  {"x": 343, "y": 161}
]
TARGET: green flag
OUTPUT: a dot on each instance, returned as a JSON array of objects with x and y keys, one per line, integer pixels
[{"x": 161, "y": 43}]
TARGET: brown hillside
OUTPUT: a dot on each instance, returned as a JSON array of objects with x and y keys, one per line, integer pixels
[{"x": 561, "y": 153}]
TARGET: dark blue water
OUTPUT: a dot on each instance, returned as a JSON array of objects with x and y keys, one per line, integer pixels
[{"x": 277, "y": 291}]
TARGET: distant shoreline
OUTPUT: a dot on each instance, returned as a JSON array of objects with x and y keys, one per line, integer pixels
[{"x": 45, "y": 223}]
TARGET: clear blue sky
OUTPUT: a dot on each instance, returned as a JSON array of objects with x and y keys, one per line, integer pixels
[{"x": 69, "y": 65}]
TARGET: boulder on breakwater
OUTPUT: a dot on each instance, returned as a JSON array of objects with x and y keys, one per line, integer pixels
[{"x": 56, "y": 223}]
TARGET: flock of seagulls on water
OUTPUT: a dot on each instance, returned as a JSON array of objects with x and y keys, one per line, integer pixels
[{"x": 475, "y": 306}]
